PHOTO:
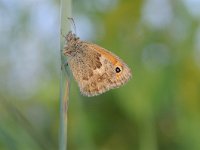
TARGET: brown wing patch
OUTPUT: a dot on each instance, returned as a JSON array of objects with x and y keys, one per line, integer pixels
[
  {"x": 104, "y": 52},
  {"x": 92, "y": 58},
  {"x": 85, "y": 78},
  {"x": 96, "y": 85}
]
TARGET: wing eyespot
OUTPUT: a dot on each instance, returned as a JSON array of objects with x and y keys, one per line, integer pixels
[{"x": 118, "y": 69}]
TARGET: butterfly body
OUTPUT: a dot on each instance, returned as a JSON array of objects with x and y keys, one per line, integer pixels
[{"x": 95, "y": 69}]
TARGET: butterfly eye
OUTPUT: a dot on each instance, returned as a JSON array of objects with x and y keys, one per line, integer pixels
[{"x": 118, "y": 69}]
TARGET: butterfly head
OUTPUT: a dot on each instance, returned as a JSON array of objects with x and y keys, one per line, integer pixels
[{"x": 73, "y": 43}]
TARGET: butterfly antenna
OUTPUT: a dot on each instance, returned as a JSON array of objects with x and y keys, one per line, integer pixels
[{"x": 73, "y": 23}]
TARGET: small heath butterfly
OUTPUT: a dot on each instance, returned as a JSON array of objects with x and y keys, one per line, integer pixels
[{"x": 95, "y": 69}]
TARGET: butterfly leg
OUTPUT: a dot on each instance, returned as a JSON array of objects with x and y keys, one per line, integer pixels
[{"x": 64, "y": 65}]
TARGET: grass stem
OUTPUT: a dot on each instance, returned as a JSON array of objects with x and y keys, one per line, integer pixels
[{"x": 65, "y": 12}]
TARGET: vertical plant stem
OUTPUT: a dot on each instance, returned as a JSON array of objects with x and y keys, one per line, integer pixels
[{"x": 65, "y": 12}]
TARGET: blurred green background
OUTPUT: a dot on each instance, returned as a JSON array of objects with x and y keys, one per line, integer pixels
[{"x": 159, "y": 109}]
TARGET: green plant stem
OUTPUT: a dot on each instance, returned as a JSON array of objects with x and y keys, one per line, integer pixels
[{"x": 65, "y": 12}]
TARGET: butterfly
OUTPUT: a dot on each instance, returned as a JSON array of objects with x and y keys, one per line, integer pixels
[{"x": 95, "y": 69}]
